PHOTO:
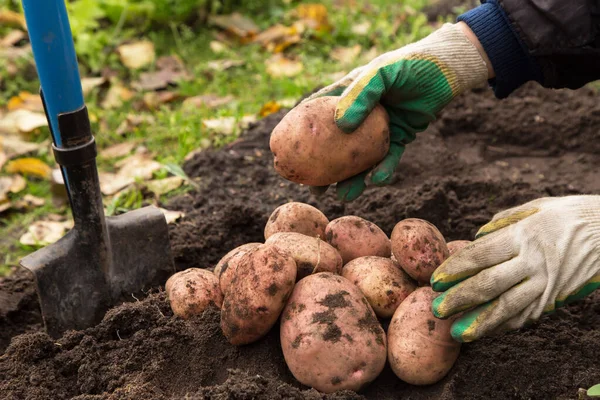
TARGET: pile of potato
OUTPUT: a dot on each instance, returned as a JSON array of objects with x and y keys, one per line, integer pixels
[{"x": 329, "y": 283}]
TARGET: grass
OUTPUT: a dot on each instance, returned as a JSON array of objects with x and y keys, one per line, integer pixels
[{"x": 177, "y": 132}]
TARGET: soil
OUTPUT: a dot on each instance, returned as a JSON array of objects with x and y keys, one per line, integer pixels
[{"x": 481, "y": 156}]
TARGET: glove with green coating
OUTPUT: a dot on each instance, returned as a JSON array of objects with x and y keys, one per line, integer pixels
[
  {"x": 412, "y": 84},
  {"x": 526, "y": 262}
]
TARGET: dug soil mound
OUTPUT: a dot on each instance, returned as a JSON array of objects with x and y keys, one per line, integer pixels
[{"x": 481, "y": 156}]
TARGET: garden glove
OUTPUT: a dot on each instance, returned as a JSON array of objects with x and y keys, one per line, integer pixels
[
  {"x": 527, "y": 261},
  {"x": 413, "y": 84}
]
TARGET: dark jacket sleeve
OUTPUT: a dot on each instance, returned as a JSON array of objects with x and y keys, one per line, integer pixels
[{"x": 553, "y": 42}]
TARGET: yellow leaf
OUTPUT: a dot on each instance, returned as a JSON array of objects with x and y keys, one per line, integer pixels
[
  {"x": 280, "y": 66},
  {"x": 29, "y": 166},
  {"x": 137, "y": 54},
  {"x": 278, "y": 37},
  {"x": 269, "y": 108},
  {"x": 27, "y": 101},
  {"x": 314, "y": 15}
]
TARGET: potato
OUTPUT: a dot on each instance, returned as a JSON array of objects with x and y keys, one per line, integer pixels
[
  {"x": 421, "y": 350},
  {"x": 192, "y": 291},
  {"x": 258, "y": 292},
  {"x": 310, "y": 149},
  {"x": 311, "y": 254},
  {"x": 297, "y": 217},
  {"x": 383, "y": 282},
  {"x": 419, "y": 247},
  {"x": 457, "y": 245},
  {"x": 225, "y": 269},
  {"x": 355, "y": 237},
  {"x": 330, "y": 336}
]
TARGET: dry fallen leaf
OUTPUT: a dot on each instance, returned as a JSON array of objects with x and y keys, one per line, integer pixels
[
  {"x": 26, "y": 101},
  {"x": 15, "y": 53},
  {"x": 207, "y": 100},
  {"x": 217, "y": 47},
  {"x": 133, "y": 121},
  {"x": 223, "y": 125},
  {"x": 28, "y": 202},
  {"x": 280, "y": 66},
  {"x": 361, "y": 29},
  {"x": 314, "y": 16},
  {"x": 118, "y": 150},
  {"x": 43, "y": 233},
  {"x": 246, "y": 121},
  {"x": 222, "y": 65},
  {"x": 11, "y": 184},
  {"x": 137, "y": 166},
  {"x": 172, "y": 216},
  {"x": 163, "y": 186},
  {"x": 22, "y": 121},
  {"x": 169, "y": 70},
  {"x": 116, "y": 96},
  {"x": 269, "y": 108},
  {"x": 279, "y": 37},
  {"x": 89, "y": 84},
  {"x": 3, "y": 159},
  {"x": 13, "y": 146},
  {"x": 346, "y": 55},
  {"x": 370, "y": 54},
  {"x": 237, "y": 24},
  {"x": 138, "y": 54},
  {"x": 153, "y": 100},
  {"x": 14, "y": 19},
  {"x": 11, "y": 38},
  {"x": 29, "y": 166}
]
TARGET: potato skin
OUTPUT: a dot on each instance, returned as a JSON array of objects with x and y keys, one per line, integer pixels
[
  {"x": 383, "y": 282},
  {"x": 356, "y": 237},
  {"x": 457, "y": 245},
  {"x": 421, "y": 350},
  {"x": 310, "y": 149},
  {"x": 258, "y": 292},
  {"x": 192, "y": 291},
  {"x": 311, "y": 254},
  {"x": 330, "y": 336},
  {"x": 225, "y": 268},
  {"x": 297, "y": 217},
  {"x": 419, "y": 247}
]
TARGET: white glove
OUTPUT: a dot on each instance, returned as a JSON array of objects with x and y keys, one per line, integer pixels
[{"x": 528, "y": 260}]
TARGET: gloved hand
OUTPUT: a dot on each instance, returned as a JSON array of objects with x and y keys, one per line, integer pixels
[
  {"x": 413, "y": 84},
  {"x": 527, "y": 261}
]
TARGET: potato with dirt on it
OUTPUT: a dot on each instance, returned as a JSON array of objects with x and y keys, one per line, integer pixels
[
  {"x": 226, "y": 267},
  {"x": 330, "y": 336},
  {"x": 382, "y": 281},
  {"x": 264, "y": 280},
  {"x": 421, "y": 349},
  {"x": 419, "y": 248},
  {"x": 310, "y": 149},
  {"x": 297, "y": 217},
  {"x": 456, "y": 245},
  {"x": 355, "y": 237},
  {"x": 192, "y": 291},
  {"x": 311, "y": 254}
]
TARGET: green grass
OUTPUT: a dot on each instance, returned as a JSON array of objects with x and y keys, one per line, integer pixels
[{"x": 177, "y": 132}]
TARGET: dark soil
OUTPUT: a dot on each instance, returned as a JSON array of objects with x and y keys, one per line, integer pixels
[{"x": 481, "y": 156}]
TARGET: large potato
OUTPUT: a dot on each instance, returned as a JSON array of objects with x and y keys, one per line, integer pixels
[
  {"x": 311, "y": 254},
  {"x": 457, "y": 245},
  {"x": 419, "y": 247},
  {"x": 192, "y": 291},
  {"x": 297, "y": 217},
  {"x": 309, "y": 148},
  {"x": 421, "y": 350},
  {"x": 330, "y": 336},
  {"x": 355, "y": 237},
  {"x": 263, "y": 282},
  {"x": 226, "y": 267},
  {"x": 382, "y": 281}
]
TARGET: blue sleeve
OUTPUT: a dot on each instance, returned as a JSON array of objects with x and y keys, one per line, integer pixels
[{"x": 510, "y": 57}]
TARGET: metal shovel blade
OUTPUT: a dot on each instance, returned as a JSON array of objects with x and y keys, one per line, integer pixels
[{"x": 77, "y": 282}]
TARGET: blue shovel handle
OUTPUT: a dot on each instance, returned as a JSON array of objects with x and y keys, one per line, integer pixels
[{"x": 55, "y": 59}]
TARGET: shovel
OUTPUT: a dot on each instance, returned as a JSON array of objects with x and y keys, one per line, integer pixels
[{"x": 102, "y": 260}]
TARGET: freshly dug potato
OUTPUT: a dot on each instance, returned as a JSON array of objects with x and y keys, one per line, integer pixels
[
  {"x": 420, "y": 348},
  {"x": 330, "y": 336},
  {"x": 225, "y": 269},
  {"x": 311, "y": 254},
  {"x": 383, "y": 282},
  {"x": 297, "y": 217},
  {"x": 310, "y": 149},
  {"x": 192, "y": 291},
  {"x": 419, "y": 247},
  {"x": 263, "y": 282},
  {"x": 355, "y": 237},
  {"x": 457, "y": 245}
]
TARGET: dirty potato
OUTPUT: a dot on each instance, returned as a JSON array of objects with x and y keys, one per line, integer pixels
[
  {"x": 311, "y": 254},
  {"x": 225, "y": 269},
  {"x": 421, "y": 350},
  {"x": 310, "y": 149},
  {"x": 192, "y": 291},
  {"x": 257, "y": 293},
  {"x": 356, "y": 237},
  {"x": 330, "y": 336},
  {"x": 382, "y": 281},
  {"x": 457, "y": 245},
  {"x": 419, "y": 247},
  {"x": 297, "y": 217}
]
